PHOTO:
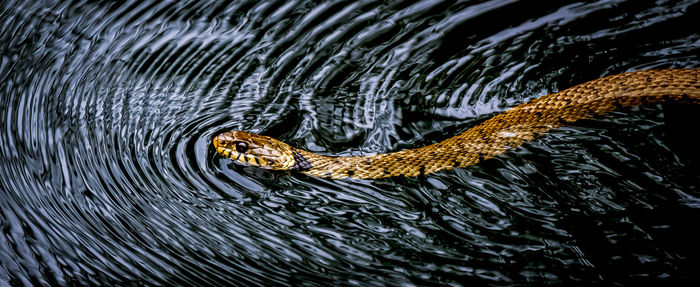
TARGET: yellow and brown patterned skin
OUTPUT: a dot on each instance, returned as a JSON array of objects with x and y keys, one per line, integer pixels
[{"x": 486, "y": 140}]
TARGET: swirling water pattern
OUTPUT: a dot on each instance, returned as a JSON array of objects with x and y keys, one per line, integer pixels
[{"x": 107, "y": 175}]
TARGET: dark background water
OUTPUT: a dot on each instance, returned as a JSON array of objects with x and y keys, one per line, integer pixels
[{"x": 107, "y": 174}]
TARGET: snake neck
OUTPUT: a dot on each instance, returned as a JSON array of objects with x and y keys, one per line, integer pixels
[
  {"x": 514, "y": 127},
  {"x": 412, "y": 162}
]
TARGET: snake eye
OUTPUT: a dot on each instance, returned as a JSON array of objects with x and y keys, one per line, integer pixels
[{"x": 241, "y": 147}]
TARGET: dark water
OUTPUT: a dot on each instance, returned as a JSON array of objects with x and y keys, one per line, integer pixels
[{"x": 107, "y": 175}]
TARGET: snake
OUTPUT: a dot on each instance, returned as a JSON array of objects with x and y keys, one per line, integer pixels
[{"x": 490, "y": 138}]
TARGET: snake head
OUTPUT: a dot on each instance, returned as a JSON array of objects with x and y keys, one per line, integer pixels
[{"x": 255, "y": 150}]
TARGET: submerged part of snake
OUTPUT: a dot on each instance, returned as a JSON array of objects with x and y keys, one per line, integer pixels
[{"x": 486, "y": 140}]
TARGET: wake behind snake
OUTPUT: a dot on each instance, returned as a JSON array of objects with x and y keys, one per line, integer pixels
[{"x": 486, "y": 140}]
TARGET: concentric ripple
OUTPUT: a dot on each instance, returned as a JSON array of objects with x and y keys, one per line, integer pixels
[{"x": 107, "y": 175}]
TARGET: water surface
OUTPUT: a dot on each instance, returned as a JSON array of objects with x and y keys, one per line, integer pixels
[{"x": 107, "y": 173}]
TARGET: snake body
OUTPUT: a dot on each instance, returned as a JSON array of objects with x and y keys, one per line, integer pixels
[{"x": 486, "y": 140}]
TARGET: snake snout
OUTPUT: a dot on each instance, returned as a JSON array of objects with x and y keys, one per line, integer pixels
[{"x": 221, "y": 140}]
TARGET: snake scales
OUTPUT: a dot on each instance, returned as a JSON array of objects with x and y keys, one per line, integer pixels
[{"x": 486, "y": 140}]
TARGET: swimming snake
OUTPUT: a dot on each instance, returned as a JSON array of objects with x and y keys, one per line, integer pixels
[{"x": 481, "y": 142}]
